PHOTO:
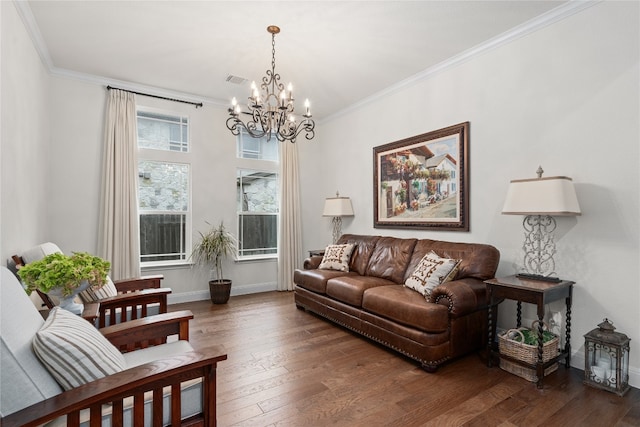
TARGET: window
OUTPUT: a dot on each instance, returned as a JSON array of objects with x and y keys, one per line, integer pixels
[
  {"x": 257, "y": 197},
  {"x": 257, "y": 148},
  {"x": 257, "y": 200},
  {"x": 164, "y": 175}
]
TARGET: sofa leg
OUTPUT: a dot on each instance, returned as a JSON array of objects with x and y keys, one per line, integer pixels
[
  {"x": 429, "y": 368},
  {"x": 299, "y": 307}
]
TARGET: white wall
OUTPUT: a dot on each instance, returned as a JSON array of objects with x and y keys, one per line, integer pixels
[
  {"x": 76, "y": 131},
  {"x": 52, "y": 129},
  {"x": 565, "y": 97},
  {"x": 24, "y": 143}
]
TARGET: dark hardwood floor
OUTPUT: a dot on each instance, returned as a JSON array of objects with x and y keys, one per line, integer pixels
[{"x": 287, "y": 367}]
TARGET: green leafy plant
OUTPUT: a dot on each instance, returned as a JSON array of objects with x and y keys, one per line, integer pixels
[
  {"x": 213, "y": 247},
  {"x": 63, "y": 271},
  {"x": 531, "y": 337}
]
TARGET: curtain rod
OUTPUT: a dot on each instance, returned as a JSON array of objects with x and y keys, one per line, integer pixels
[{"x": 197, "y": 104}]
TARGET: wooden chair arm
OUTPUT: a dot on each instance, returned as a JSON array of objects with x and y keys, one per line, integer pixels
[
  {"x": 137, "y": 283},
  {"x": 114, "y": 388},
  {"x": 132, "y": 305},
  {"x": 146, "y": 331}
]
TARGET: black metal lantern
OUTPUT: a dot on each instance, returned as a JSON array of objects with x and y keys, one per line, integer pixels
[{"x": 606, "y": 361}]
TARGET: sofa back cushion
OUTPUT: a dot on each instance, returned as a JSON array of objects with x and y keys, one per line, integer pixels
[
  {"x": 361, "y": 252},
  {"x": 479, "y": 261},
  {"x": 390, "y": 258}
]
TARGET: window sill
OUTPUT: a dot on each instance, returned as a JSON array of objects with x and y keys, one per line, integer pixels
[
  {"x": 166, "y": 266},
  {"x": 258, "y": 258}
]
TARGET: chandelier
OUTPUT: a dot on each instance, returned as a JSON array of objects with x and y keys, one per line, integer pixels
[{"x": 270, "y": 110}]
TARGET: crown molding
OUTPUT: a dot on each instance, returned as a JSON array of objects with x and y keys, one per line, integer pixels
[
  {"x": 559, "y": 13},
  {"x": 24, "y": 10}
]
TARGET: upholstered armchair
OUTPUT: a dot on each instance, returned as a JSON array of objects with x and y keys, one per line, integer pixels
[
  {"x": 64, "y": 371},
  {"x": 119, "y": 300}
]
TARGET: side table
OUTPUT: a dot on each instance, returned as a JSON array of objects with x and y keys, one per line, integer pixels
[
  {"x": 316, "y": 252},
  {"x": 535, "y": 292}
]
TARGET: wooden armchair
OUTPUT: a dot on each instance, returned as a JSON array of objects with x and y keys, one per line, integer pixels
[
  {"x": 171, "y": 375},
  {"x": 120, "y": 300}
]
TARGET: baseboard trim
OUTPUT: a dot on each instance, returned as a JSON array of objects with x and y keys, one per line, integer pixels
[{"x": 182, "y": 297}]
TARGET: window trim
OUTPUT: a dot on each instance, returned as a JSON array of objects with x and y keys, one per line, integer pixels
[
  {"x": 178, "y": 157},
  {"x": 252, "y": 166}
]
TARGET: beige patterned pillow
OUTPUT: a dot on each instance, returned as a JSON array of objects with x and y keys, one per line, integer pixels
[
  {"x": 431, "y": 272},
  {"x": 73, "y": 351},
  {"x": 337, "y": 257}
]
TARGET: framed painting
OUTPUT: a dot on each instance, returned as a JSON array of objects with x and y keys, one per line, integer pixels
[{"x": 422, "y": 182}]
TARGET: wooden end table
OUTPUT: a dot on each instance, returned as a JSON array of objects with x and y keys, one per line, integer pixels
[{"x": 535, "y": 292}]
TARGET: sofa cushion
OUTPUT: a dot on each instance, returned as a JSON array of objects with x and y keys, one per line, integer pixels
[
  {"x": 336, "y": 257},
  {"x": 431, "y": 272},
  {"x": 316, "y": 280},
  {"x": 390, "y": 258},
  {"x": 349, "y": 289},
  {"x": 407, "y": 307},
  {"x": 73, "y": 350},
  {"x": 361, "y": 254}
]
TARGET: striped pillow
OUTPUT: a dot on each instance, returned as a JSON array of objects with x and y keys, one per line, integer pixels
[
  {"x": 96, "y": 294},
  {"x": 73, "y": 351}
]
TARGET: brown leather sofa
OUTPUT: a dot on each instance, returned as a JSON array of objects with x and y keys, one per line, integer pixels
[{"x": 371, "y": 300}]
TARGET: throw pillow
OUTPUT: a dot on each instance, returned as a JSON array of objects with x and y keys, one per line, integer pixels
[
  {"x": 337, "y": 257},
  {"x": 73, "y": 351},
  {"x": 431, "y": 272},
  {"x": 96, "y": 294}
]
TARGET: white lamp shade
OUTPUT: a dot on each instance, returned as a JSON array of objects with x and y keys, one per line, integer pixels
[
  {"x": 554, "y": 196},
  {"x": 337, "y": 206}
]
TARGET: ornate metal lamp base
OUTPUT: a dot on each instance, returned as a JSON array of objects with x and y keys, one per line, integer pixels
[
  {"x": 337, "y": 228},
  {"x": 539, "y": 246}
]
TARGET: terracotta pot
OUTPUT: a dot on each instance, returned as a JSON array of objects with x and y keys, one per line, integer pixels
[{"x": 220, "y": 291}]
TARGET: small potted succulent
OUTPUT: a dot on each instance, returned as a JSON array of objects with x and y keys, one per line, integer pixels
[
  {"x": 65, "y": 276},
  {"x": 212, "y": 249}
]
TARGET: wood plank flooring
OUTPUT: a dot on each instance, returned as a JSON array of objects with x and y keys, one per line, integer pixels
[{"x": 287, "y": 367}]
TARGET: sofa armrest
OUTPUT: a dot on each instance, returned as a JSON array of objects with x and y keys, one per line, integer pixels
[
  {"x": 461, "y": 297},
  {"x": 113, "y": 389},
  {"x": 137, "y": 283},
  {"x": 313, "y": 262},
  {"x": 152, "y": 330}
]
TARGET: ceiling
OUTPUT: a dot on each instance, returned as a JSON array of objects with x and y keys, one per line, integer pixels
[{"x": 336, "y": 53}]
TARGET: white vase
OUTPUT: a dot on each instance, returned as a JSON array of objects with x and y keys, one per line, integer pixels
[{"x": 67, "y": 301}]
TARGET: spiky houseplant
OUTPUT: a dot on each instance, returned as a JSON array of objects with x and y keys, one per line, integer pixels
[
  {"x": 213, "y": 247},
  {"x": 66, "y": 272}
]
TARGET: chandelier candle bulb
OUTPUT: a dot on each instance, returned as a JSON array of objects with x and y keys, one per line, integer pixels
[{"x": 273, "y": 118}]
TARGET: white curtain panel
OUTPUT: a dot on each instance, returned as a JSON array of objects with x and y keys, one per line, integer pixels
[
  {"x": 290, "y": 229},
  {"x": 119, "y": 231}
]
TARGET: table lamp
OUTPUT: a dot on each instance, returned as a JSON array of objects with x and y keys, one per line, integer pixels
[
  {"x": 540, "y": 199},
  {"x": 337, "y": 207}
]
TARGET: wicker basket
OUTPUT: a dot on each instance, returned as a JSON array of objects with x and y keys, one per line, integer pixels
[{"x": 526, "y": 353}]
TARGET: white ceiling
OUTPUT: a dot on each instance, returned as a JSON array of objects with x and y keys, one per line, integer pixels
[{"x": 336, "y": 53}]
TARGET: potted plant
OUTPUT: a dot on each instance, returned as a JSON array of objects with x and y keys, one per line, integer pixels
[
  {"x": 211, "y": 249},
  {"x": 65, "y": 276}
]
